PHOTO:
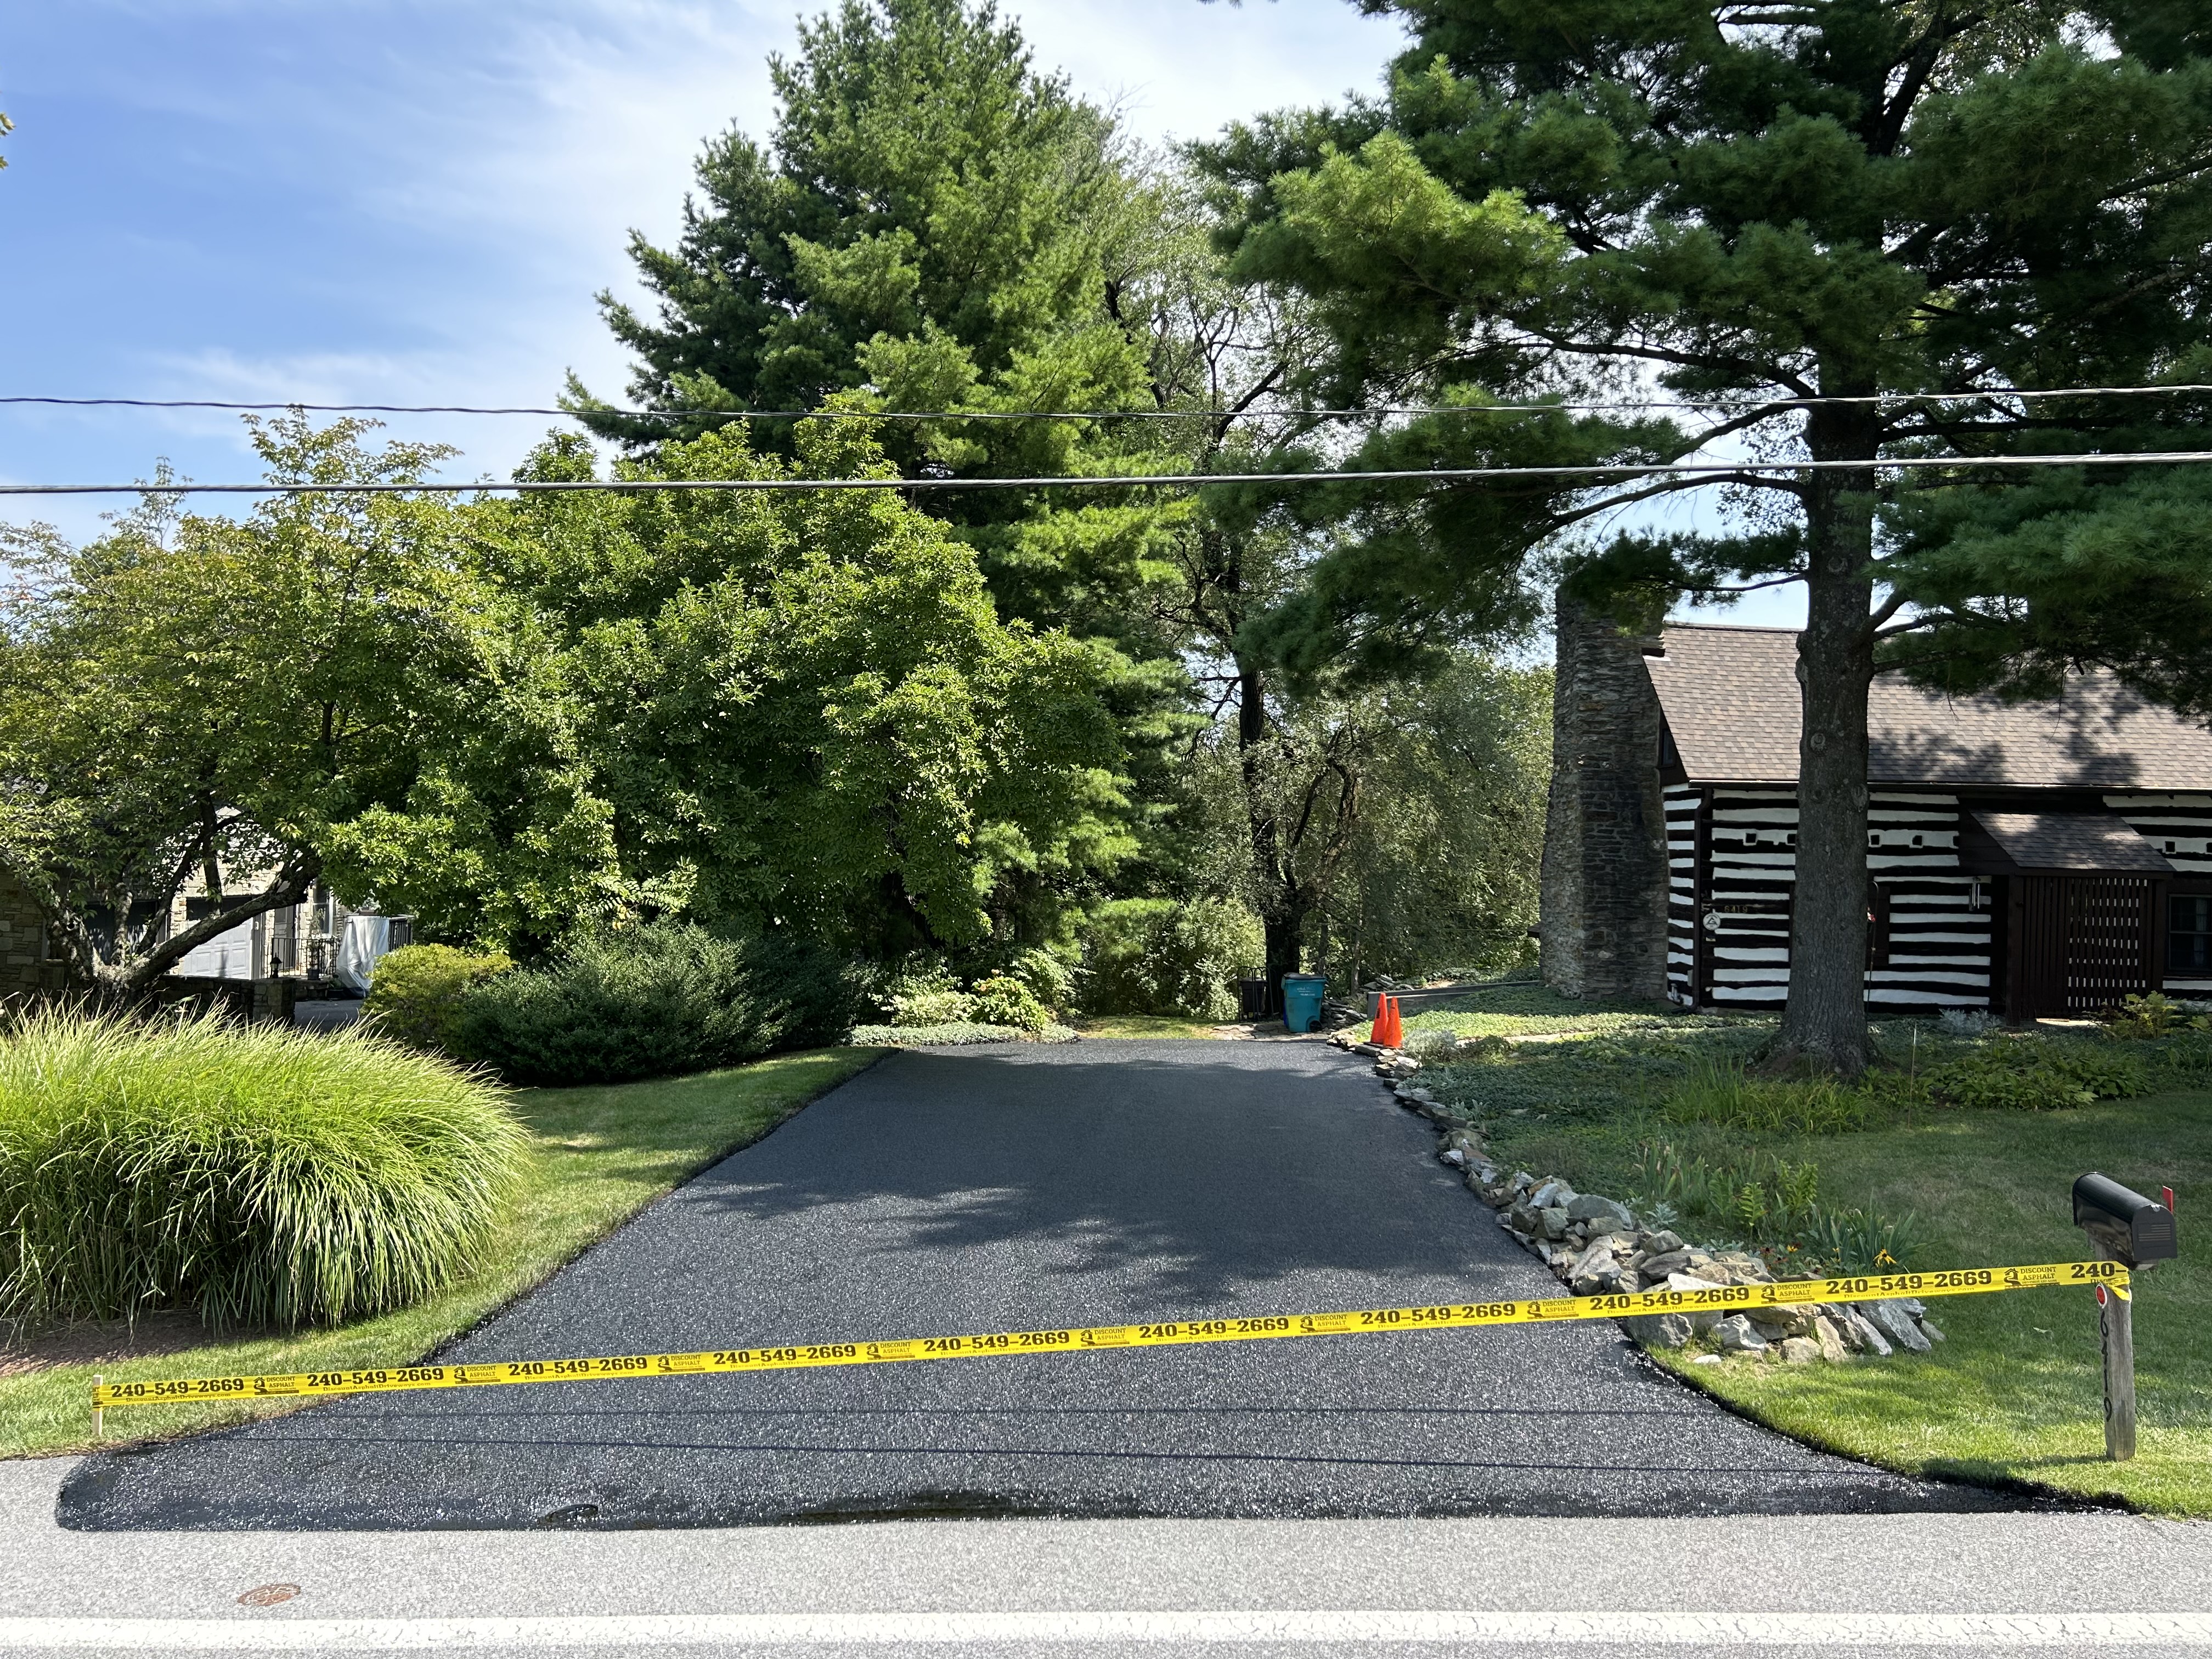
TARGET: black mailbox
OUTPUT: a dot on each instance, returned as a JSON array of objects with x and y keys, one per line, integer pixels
[{"x": 2127, "y": 1226}]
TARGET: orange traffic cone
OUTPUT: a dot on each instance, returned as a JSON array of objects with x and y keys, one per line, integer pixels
[{"x": 1387, "y": 1030}]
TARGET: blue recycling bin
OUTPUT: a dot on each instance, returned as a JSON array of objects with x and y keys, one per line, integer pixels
[{"x": 1302, "y": 1000}]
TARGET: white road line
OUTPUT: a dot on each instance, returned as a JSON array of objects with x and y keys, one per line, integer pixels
[{"x": 1717, "y": 1630}]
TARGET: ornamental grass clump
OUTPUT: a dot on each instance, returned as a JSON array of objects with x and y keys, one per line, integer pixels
[{"x": 266, "y": 1177}]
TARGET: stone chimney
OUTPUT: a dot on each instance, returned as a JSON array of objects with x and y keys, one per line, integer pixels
[{"x": 1603, "y": 924}]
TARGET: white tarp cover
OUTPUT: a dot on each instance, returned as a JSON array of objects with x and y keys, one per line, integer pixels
[{"x": 363, "y": 939}]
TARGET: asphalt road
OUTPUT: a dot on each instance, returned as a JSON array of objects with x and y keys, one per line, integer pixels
[{"x": 975, "y": 1190}]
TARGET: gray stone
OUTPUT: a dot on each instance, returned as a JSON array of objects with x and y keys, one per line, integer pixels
[
  {"x": 1552, "y": 1192},
  {"x": 1524, "y": 1219},
  {"x": 1800, "y": 1351},
  {"x": 1831, "y": 1340},
  {"x": 1870, "y": 1340},
  {"x": 1659, "y": 1263},
  {"x": 1928, "y": 1329},
  {"x": 1660, "y": 1330},
  {"x": 1796, "y": 1321},
  {"x": 1663, "y": 1243},
  {"x": 1453, "y": 1156},
  {"x": 1522, "y": 1181},
  {"x": 1606, "y": 1227},
  {"x": 1552, "y": 1222},
  {"x": 1735, "y": 1334},
  {"x": 1890, "y": 1318},
  {"x": 1596, "y": 1272},
  {"x": 1589, "y": 1206},
  {"x": 1703, "y": 1318}
]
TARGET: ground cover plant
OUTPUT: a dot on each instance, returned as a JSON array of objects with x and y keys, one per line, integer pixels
[
  {"x": 1144, "y": 1026},
  {"x": 954, "y": 1033},
  {"x": 596, "y": 1156},
  {"x": 1517, "y": 1008},
  {"x": 1960, "y": 1152},
  {"x": 263, "y": 1177}
]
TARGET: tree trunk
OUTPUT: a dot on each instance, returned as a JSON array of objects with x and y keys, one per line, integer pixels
[
  {"x": 1285, "y": 937},
  {"x": 1282, "y": 913},
  {"x": 131, "y": 979},
  {"x": 1825, "y": 1019}
]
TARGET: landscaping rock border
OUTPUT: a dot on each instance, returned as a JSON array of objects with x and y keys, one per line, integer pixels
[{"x": 1596, "y": 1246}]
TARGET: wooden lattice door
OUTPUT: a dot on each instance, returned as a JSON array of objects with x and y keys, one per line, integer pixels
[{"x": 2110, "y": 922}]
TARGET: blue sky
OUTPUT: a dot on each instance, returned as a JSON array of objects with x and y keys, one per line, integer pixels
[{"x": 414, "y": 201}]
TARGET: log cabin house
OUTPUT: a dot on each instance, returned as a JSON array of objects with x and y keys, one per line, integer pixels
[{"x": 2035, "y": 859}]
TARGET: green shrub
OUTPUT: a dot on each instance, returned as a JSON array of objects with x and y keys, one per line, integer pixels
[
  {"x": 1006, "y": 1000},
  {"x": 1051, "y": 978},
  {"x": 935, "y": 1006},
  {"x": 415, "y": 995},
  {"x": 264, "y": 1176},
  {"x": 651, "y": 1001},
  {"x": 2152, "y": 1017},
  {"x": 1162, "y": 957}
]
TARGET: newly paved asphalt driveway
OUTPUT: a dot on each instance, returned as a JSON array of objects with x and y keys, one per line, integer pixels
[{"x": 975, "y": 1190}]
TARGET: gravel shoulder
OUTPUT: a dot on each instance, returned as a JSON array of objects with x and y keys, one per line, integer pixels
[{"x": 970, "y": 1190}]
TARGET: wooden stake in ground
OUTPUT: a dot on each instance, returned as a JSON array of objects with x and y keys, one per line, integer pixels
[{"x": 2116, "y": 1325}]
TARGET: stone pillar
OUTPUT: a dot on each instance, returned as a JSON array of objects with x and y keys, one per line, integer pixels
[
  {"x": 1603, "y": 925},
  {"x": 272, "y": 999}
]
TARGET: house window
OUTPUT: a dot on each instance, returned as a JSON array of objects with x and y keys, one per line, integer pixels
[{"x": 2189, "y": 935}]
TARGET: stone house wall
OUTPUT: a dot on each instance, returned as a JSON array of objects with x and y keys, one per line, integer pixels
[
  {"x": 1602, "y": 929},
  {"x": 24, "y": 969}
]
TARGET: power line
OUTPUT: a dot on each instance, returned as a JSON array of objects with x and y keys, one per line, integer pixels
[
  {"x": 1373, "y": 412},
  {"x": 1443, "y": 475}
]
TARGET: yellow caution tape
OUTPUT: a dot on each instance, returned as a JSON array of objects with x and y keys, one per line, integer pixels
[{"x": 1722, "y": 1298}]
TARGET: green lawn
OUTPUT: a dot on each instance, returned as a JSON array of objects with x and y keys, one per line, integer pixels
[
  {"x": 602, "y": 1155},
  {"x": 2016, "y": 1395}
]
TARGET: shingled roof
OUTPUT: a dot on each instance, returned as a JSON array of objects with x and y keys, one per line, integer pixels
[{"x": 1731, "y": 700}]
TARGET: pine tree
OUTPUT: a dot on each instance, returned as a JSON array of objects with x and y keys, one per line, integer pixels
[{"x": 1806, "y": 214}]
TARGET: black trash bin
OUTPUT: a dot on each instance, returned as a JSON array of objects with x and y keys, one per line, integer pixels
[{"x": 1253, "y": 1001}]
